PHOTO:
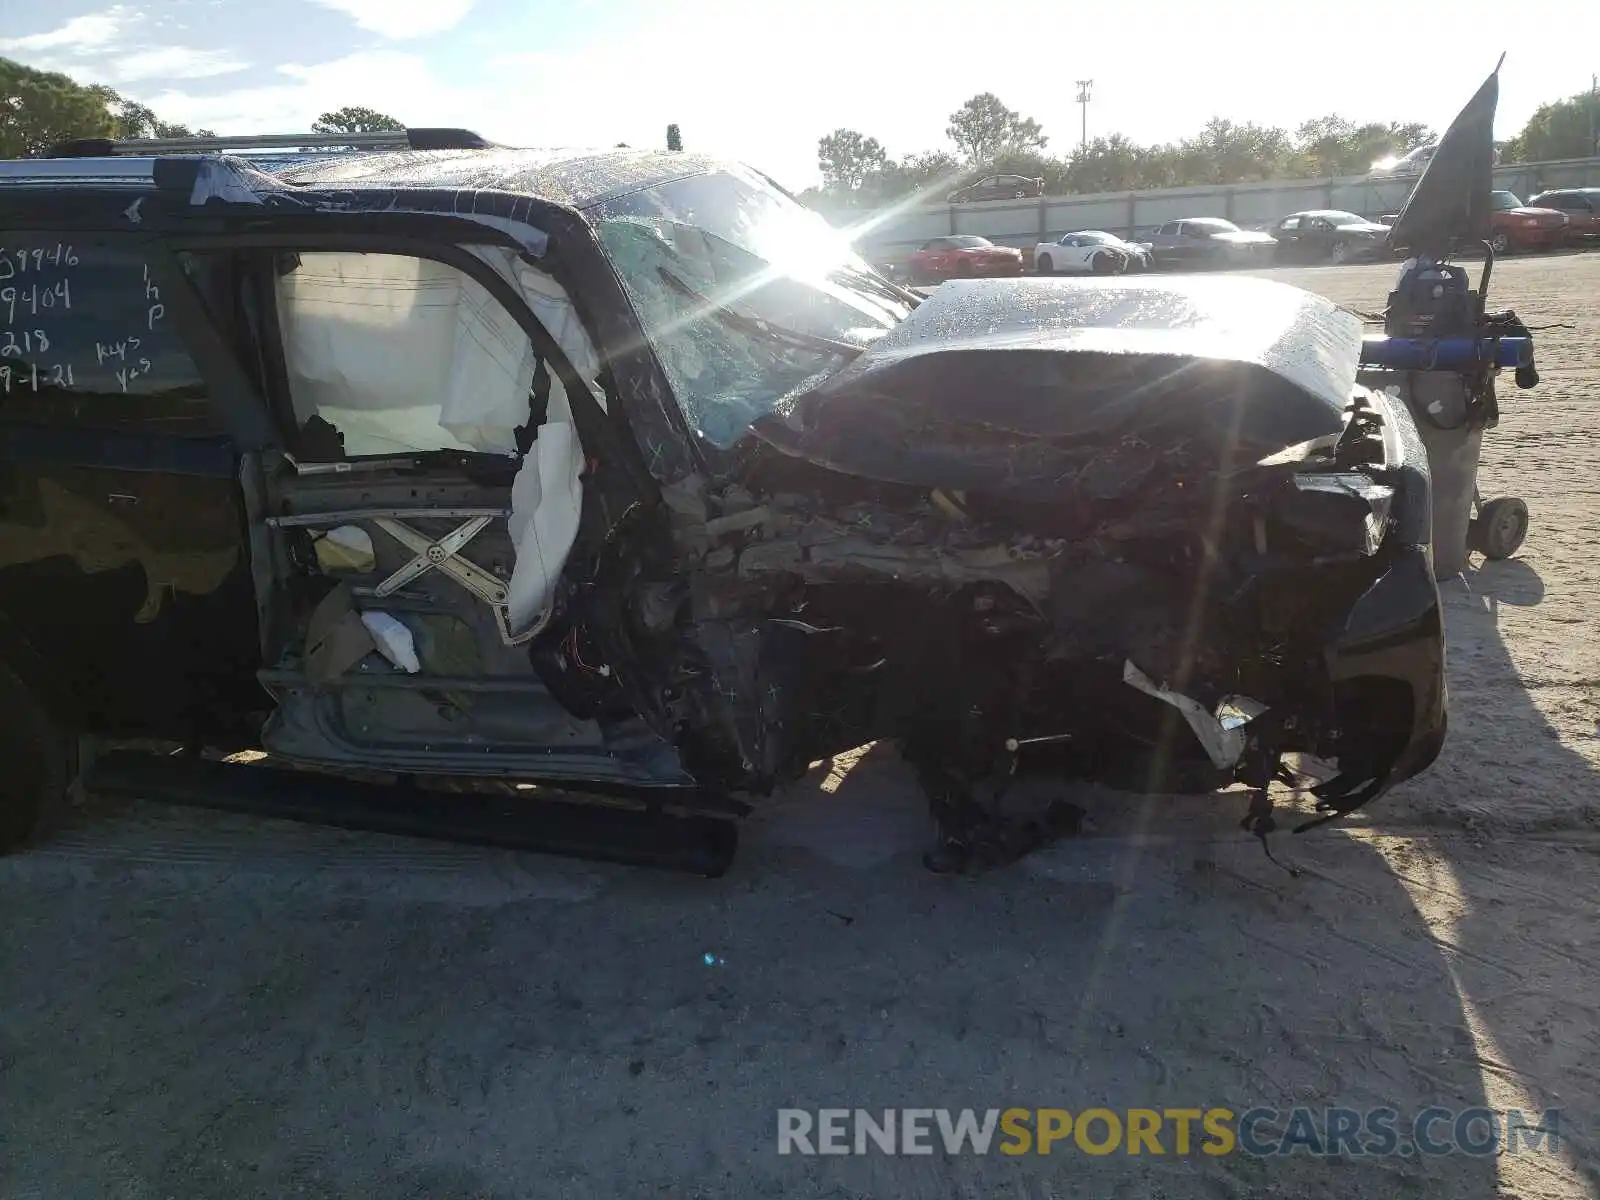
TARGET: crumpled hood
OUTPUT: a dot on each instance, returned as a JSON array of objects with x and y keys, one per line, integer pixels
[
  {"x": 1002, "y": 384},
  {"x": 1243, "y": 237}
]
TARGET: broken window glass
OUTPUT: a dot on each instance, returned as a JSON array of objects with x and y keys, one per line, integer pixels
[{"x": 748, "y": 298}]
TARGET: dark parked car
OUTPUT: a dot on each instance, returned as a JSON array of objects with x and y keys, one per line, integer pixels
[
  {"x": 456, "y": 470},
  {"x": 1327, "y": 235},
  {"x": 962, "y": 256},
  {"x": 998, "y": 187},
  {"x": 1209, "y": 242},
  {"x": 1582, "y": 209}
]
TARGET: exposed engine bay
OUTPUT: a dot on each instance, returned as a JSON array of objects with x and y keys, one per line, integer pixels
[{"x": 1177, "y": 640}]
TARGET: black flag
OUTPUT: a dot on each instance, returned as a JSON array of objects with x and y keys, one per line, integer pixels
[{"x": 1450, "y": 203}]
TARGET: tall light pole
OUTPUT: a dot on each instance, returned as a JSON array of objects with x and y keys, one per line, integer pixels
[
  {"x": 1594, "y": 104},
  {"x": 1083, "y": 103}
]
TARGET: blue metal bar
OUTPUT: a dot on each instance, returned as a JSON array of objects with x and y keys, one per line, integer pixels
[{"x": 1444, "y": 354}]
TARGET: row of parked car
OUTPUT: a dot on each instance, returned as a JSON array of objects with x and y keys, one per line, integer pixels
[{"x": 1550, "y": 220}]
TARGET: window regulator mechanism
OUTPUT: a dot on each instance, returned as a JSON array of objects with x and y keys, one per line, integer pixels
[{"x": 444, "y": 555}]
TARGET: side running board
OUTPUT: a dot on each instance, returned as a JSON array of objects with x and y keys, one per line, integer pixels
[{"x": 607, "y": 832}]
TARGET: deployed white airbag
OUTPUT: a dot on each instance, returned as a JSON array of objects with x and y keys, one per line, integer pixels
[
  {"x": 546, "y": 495},
  {"x": 405, "y": 354}
]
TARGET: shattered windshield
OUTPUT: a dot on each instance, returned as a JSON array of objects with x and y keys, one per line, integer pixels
[{"x": 748, "y": 298}]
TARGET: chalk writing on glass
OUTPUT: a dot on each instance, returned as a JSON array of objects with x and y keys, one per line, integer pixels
[
  {"x": 35, "y": 298},
  {"x": 14, "y": 343},
  {"x": 21, "y": 262},
  {"x": 152, "y": 293},
  {"x": 132, "y": 371},
  {"x": 32, "y": 377}
]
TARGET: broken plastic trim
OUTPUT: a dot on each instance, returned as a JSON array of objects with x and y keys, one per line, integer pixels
[{"x": 1220, "y": 733}]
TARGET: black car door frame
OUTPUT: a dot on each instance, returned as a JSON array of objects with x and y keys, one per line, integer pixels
[
  {"x": 628, "y": 494},
  {"x": 184, "y": 659},
  {"x": 598, "y": 431},
  {"x": 637, "y": 548}
]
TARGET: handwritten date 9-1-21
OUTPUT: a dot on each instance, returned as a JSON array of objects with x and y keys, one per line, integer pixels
[{"x": 33, "y": 377}]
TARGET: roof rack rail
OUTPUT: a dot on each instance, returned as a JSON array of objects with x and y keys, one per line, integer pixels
[{"x": 399, "y": 139}]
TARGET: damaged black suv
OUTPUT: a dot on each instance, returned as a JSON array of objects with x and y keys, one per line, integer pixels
[{"x": 448, "y": 475}]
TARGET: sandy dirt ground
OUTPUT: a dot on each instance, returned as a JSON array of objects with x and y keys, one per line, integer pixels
[{"x": 194, "y": 1005}]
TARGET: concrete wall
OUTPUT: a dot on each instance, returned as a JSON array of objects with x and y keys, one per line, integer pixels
[{"x": 1025, "y": 222}]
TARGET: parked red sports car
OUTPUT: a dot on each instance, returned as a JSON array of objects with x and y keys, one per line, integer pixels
[{"x": 963, "y": 256}]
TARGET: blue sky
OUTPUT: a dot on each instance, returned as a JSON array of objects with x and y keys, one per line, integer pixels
[{"x": 761, "y": 81}]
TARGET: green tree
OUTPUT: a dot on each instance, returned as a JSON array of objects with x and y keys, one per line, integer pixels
[
  {"x": 847, "y": 160},
  {"x": 355, "y": 119},
  {"x": 992, "y": 138},
  {"x": 1332, "y": 145},
  {"x": 1107, "y": 164},
  {"x": 930, "y": 175},
  {"x": 134, "y": 120},
  {"x": 983, "y": 128},
  {"x": 1408, "y": 135},
  {"x": 1560, "y": 130},
  {"x": 1226, "y": 152},
  {"x": 674, "y": 138},
  {"x": 40, "y": 108}
]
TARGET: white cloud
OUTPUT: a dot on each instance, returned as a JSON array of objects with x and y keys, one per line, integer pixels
[
  {"x": 392, "y": 82},
  {"x": 115, "y": 47},
  {"x": 399, "y": 19},
  {"x": 91, "y": 31},
  {"x": 170, "y": 62}
]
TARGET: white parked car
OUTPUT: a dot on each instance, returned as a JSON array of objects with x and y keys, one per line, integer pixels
[{"x": 1090, "y": 251}]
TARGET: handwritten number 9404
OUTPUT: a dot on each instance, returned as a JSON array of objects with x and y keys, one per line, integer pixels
[{"x": 34, "y": 298}]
